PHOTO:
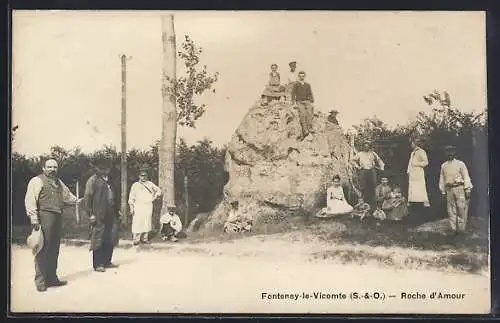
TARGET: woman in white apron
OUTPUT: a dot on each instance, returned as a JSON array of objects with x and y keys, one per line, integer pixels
[
  {"x": 141, "y": 198},
  {"x": 417, "y": 191}
]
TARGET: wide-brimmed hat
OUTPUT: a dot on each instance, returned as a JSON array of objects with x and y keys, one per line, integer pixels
[
  {"x": 171, "y": 206},
  {"x": 144, "y": 169},
  {"x": 450, "y": 148},
  {"x": 35, "y": 241},
  {"x": 292, "y": 63},
  {"x": 102, "y": 165},
  {"x": 334, "y": 111}
]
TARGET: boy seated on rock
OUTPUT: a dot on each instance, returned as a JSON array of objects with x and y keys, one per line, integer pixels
[
  {"x": 235, "y": 222},
  {"x": 171, "y": 224}
]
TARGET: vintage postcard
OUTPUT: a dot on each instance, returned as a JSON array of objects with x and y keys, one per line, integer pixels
[{"x": 249, "y": 162}]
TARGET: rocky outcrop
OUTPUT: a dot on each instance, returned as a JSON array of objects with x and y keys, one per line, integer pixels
[{"x": 274, "y": 174}]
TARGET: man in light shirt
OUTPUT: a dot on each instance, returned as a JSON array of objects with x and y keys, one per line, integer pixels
[
  {"x": 367, "y": 162},
  {"x": 291, "y": 79},
  {"x": 45, "y": 198},
  {"x": 455, "y": 184}
]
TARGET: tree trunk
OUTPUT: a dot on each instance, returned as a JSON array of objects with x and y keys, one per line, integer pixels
[
  {"x": 169, "y": 114},
  {"x": 123, "y": 157}
]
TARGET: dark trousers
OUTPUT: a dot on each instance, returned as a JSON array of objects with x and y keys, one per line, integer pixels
[
  {"x": 367, "y": 185},
  {"x": 46, "y": 259},
  {"x": 166, "y": 230},
  {"x": 306, "y": 116},
  {"x": 102, "y": 256}
]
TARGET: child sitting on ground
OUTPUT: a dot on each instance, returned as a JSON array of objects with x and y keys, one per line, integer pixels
[
  {"x": 382, "y": 191},
  {"x": 395, "y": 206},
  {"x": 362, "y": 209},
  {"x": 235, "y": 222},
  {"x": 171, "y": 224}
]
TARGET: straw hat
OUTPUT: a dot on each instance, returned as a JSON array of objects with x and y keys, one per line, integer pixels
[
  {"x": 35, "y": 241},
  {"x": 171, "y": 206}
]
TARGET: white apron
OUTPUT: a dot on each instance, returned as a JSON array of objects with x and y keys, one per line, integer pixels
[
  {"x": 142, "y": 202},
  {"x": 417, "y": 190}
]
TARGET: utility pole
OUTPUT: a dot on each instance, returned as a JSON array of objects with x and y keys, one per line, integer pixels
[
  {"x": 169, "y": 112},
  {"x": 186, "y": 196},
  {"x": 123, "y": 205}
]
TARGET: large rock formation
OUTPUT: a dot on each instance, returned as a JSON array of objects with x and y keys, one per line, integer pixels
[{"x": 272, "y": 173}]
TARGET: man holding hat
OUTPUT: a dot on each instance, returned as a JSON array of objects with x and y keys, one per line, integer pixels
[
  {"x": 99, "y": 201},
  {"x": 45, "y": 198},
  {"x": 455, "y": 184},
  {"x": 142, "y": 195}
]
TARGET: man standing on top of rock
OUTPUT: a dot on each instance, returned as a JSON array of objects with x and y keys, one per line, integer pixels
[
  {"x": 367, "y": 162},
  {"x": 302, "y": 97},
  {"x": 291, "y": 79}
]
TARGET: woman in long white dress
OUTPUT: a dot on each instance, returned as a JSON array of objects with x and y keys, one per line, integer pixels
[
  {"x": 142, "y": 195},
  {"x": 417, "y": 190},
  {"x": 336, "y": 203}
]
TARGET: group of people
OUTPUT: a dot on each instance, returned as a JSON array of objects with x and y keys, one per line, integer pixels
[
  {"x": 386, "y": 202},
  {"x": 295, "y": 91},
  {"x": 47, "y": 196}
]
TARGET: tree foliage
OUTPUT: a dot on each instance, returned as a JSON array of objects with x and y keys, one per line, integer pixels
[
  {"x": 441, "y": 124},
  {"x": 195, "y": 82},
  {"x": 202, "y": 162}
]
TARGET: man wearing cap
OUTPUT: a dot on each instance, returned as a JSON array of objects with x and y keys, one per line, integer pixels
[
  {"x": 302, "y": 97},
  {"x": 45, "y": 198},
  {"x": 456, "y": 185},
  {"x": 367, "y": 162},
  {"x": 99, "y": 201},
  {"x": 332, "y": 117},
  {"x": 291, "y": 79},
  {"x": 170, "y": 223},
  {"x": 142, "y": 195}
]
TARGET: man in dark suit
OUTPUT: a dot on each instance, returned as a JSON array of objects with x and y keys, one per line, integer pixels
[
  {"x": 100, "y": 202},
  {"x": 303, "y": 99}
]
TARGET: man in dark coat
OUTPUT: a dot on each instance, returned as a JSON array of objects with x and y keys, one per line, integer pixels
[{"x": 100, "y": 202}]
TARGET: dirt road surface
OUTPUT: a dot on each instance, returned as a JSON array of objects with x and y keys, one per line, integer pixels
[{"x": 180, "y": 280}]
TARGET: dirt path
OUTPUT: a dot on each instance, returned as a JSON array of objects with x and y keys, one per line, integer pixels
[{"x": 231, "y": 277}]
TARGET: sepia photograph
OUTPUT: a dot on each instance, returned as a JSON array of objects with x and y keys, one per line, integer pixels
[{"x": 291, "y": 162}]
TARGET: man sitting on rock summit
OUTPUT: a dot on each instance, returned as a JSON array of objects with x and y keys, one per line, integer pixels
[{"x": 303, "y": 98}]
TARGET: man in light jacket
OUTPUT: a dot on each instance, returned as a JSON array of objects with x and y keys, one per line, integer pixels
[{"x": 455, "y": 184}]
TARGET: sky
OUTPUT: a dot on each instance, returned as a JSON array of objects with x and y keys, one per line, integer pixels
[{"x": 66, "y": 70}]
